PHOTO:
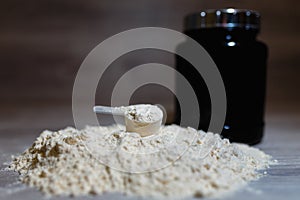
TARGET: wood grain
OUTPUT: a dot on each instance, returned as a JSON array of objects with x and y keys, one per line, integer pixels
[{"x": 42, "y": 43}]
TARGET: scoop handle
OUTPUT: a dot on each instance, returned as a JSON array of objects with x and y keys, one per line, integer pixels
[{"x": 108, "y": 110}]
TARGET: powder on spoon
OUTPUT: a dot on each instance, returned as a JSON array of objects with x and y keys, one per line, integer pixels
[
  {"x": 144, "y": 113},
  {"x": 144, "y": 119}
]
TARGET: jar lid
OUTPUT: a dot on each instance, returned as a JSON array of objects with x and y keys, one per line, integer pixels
[{"x": 226, "y": 18}]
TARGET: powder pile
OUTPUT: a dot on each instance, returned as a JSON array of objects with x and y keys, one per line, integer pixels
[{"x": 175, "y": 163}]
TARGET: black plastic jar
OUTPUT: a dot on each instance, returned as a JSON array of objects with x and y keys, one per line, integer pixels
[{"x": 229, "y": 36}]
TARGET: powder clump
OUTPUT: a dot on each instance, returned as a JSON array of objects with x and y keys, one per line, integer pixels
[
  {"x": 143, "y": 113},
  {"x": 177, "y": 162}
]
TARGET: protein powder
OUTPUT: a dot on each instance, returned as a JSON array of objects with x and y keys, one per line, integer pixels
[
  {"x": 174, "y": 163},
  {"x": 144, "y": 119}
]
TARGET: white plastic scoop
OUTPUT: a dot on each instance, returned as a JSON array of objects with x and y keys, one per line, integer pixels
[
  {"x": 109, "y": 110},
  {"x": 144, "y": 119}
]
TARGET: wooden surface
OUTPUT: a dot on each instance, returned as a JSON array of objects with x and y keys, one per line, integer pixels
[
  {"x": 42, "y": 43},
  {"x": 281, "y": 141}
]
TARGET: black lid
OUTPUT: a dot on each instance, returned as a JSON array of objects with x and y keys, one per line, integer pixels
[{"x": 226, "y": 18}]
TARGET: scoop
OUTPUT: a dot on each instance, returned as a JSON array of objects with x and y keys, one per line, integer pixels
[{"x": 144, "y": 119}]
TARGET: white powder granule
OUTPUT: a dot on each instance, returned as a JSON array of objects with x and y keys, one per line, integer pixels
[{"x": 175, "y": 163}]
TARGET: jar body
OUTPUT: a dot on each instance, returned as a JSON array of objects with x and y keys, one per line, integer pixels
[{"x": 241, "y": 61}]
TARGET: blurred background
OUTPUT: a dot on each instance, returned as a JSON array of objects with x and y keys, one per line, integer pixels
[{"x": 43, "y": 43}]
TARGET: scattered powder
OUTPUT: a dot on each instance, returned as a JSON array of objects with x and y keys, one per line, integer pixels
[{"x": 175, "y": 163}]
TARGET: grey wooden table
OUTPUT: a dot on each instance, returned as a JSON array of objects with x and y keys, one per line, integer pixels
[{"x": 282, "y": 141}]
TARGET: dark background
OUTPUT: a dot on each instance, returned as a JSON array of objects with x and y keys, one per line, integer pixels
[{"x": 43, "y": 42}]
